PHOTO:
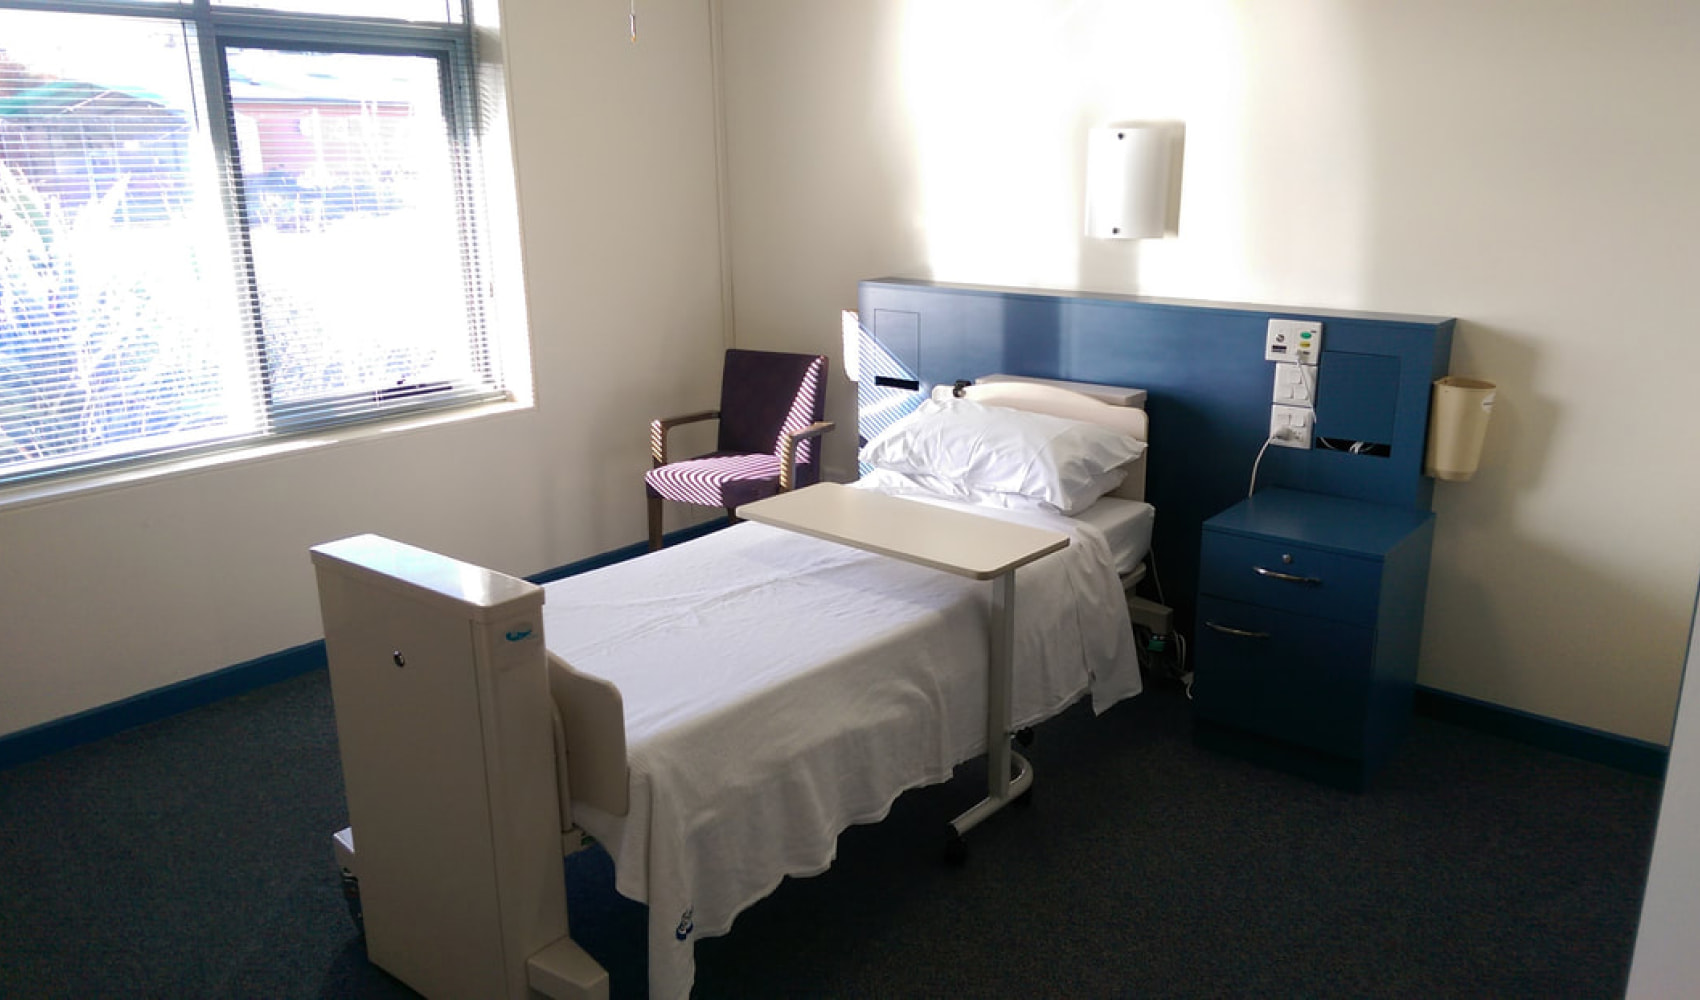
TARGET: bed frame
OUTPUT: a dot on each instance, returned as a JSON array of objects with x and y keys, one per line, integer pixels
[{"x": 466, "y": 744}]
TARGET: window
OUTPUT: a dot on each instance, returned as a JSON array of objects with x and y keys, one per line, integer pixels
[{"x": 223, "y": 221}]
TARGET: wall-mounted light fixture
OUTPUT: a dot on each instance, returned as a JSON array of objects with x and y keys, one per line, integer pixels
[{"x": 1133, "y": 179}]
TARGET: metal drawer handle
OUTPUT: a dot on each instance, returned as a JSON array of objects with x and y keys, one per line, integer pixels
[
  {"x": 1237, "y": 631},
  {"x": 1290, "y": 578}
]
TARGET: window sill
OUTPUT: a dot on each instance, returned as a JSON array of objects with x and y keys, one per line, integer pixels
[{"x": 30, "y": 494}]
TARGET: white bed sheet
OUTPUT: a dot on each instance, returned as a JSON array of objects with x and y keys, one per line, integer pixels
[
  {"x": 1126, "y": 525},
  {"x": 779, "y": 688}
]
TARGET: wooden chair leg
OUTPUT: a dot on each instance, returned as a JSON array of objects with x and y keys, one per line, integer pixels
[
  {"x": 654, "y": 523},
  {"x": 732, "y": 515}
]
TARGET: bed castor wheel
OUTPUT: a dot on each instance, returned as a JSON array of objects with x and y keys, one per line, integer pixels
[
  {"x": 1024, "y": 736},
  {"x": 955, "y": 849},
  {"x": 351, "y": 896}
]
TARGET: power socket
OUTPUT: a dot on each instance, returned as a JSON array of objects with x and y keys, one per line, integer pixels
[{"x": 1290, "y": 426}]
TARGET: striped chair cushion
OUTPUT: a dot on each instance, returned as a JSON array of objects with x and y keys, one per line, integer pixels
[{"x": 716, "y": 480}]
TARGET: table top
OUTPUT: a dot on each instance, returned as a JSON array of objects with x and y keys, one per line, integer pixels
[{"x": 954, "y": 541}]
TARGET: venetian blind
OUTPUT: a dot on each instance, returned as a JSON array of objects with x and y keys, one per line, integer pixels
[{"x": 225, "y": 223}]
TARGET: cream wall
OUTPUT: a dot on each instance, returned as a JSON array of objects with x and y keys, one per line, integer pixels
[
  {"x": 120, "y": 591},
  {"x": 1528, "y": 166}
]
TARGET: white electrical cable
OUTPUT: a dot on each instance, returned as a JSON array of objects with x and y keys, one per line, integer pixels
[{"x": 1282, "y": 433}]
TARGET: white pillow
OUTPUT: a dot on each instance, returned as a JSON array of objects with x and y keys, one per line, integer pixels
[{"x": 978, "y": 452}]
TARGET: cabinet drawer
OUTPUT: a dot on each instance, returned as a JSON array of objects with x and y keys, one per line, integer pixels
[
  {"x": 1291, "y": 677},
  {"x": 1290, "y": 577}
]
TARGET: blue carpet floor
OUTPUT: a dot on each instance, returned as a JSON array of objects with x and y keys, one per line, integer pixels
[{"x": 191, "y": 858}]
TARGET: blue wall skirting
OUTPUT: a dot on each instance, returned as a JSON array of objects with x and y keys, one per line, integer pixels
[
  {"x": 1621, "y": 752},
  {"x": 160, "y": 703}
]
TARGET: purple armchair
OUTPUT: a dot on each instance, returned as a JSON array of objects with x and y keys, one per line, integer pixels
[{"x": 771, "y": 409}]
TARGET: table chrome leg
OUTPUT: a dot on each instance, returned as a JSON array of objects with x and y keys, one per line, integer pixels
[{"x": 1001, "y": 785}]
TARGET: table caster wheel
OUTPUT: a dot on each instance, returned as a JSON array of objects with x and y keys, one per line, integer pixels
[
  {"x": 955, "y": 849},
  {"x": 351, "y": 896}
]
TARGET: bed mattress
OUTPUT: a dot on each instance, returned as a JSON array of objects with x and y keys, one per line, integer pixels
[
  {"x": 779, "y": 688},
  {"x": 1126, "y": 525}
]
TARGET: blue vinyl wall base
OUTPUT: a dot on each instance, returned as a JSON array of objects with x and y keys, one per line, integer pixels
[
  {"x": 160, "y": 703},
  {"x": 1621, "y": 752}
]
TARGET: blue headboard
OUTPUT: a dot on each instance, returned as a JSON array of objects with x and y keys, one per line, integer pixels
[{"x": 1210, "y": 389}]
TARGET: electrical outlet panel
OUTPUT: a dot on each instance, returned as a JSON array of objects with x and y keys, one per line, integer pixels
[
  {"x": 1295, "y": 384},
  {"x": 1291, "y": 426},
  {"x": 1297, "y": 340}
]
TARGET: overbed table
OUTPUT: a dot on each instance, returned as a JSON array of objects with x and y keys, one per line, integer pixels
[{"x": 968, "y": 545}]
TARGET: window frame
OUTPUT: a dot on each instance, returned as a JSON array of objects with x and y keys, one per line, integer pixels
[{"x": 452, "y": 43}]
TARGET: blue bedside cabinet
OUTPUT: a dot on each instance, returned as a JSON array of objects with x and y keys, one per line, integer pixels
[{"x": 1310, "y": 612}]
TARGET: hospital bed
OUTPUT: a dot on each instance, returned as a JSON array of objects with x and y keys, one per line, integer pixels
[{"x": 713, "y": 714}]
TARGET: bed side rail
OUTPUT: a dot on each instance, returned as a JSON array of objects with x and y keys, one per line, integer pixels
[{"x": 593, "y": 737}]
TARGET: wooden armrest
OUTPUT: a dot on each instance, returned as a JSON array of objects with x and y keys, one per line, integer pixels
[
  {"x": 788, "y": 451},
  {"x": 658, "y": 432}
]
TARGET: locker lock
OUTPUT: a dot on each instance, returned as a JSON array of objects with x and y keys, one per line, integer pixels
[{"x": 400, "y": 660}]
